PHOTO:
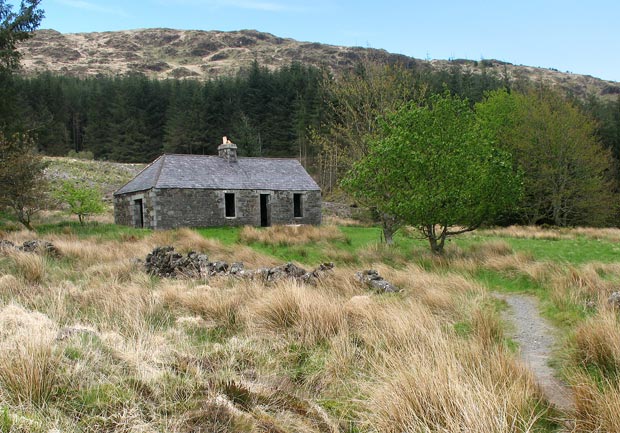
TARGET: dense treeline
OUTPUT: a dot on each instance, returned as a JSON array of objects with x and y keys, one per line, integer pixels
[
  {"x": 134, "y": 118},
  {"x": 269, "y": 113}
]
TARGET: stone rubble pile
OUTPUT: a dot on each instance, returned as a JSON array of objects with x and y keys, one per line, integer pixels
[
  {"x": 372, "y": 279},
  {"x": 166, "y": 262},
  {"x": 291, "y": 271},
  {"x": 32, "y": 246}
]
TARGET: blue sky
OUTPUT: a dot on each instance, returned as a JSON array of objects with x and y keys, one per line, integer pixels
[{"x": 569, "y": 35}]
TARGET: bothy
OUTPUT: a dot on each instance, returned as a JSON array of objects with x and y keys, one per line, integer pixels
[{"x": 224, "y": 190}]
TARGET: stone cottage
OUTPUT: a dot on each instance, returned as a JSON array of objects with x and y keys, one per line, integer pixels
[{"x": 224, "y": 190}]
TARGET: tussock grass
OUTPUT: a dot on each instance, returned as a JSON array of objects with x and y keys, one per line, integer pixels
[
  {"x": 10, "y": 286},
  {"x": 311, "y": 315},
  {"x": 224, "y": 354},
  {"x": 597, "y": 404},
  {"x": 29, "y": 365},
  {"x": 291, "y": 234},
  {"x": 526, "y": 232},
  {"x": 597, "y": 343},
  {"x": 31, "y": 267},
  {"x": 439, "y": 391},
  {"x": 555, "y": 233}
]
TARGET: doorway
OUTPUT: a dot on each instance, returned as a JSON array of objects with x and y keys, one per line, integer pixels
[
  {"x": 265, "y": 211},
  {"x": 138, "y": 213}
]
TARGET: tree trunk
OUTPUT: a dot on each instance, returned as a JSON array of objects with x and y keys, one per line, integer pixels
[
  {"x": 24, "y": 220},
  {"x": 436, "y": 242},
  {"x": 388, "y": 235},
  {"x": 390, "y": 227},
  {"x": 436, "y": 247}
]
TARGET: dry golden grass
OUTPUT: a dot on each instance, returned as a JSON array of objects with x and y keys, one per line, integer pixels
[
  {"x": 29, "y": 365},
  {"x": 425, "y": 379},
  {"x": 537, "y": 232},
  {"x": 31, "y": 267},
  {"x": 598, "y": 342},
  {"x": 597, "y": 405},
  {"x": 525, "y": 232},
  {"x": 153, "y": 354},
  {"x": 291, "y": 234},
  {"x": 333, "y": 220}
]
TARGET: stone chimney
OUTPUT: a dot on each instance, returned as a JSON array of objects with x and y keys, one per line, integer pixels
[{"x": 227, "y": 150}]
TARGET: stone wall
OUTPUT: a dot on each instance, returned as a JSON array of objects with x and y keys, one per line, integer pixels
[
  {"x": 170, "y": 208},
  {"x": 124, "y": 209}
]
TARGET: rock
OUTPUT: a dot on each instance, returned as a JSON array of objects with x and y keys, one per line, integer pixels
[
  {"x": 288, "y": 270},
  {"x": 36, "y": 245},
  {"x": 236, "y": 268},
  {"x": 372, "y": 279},
  {"x": 318, "y": 273},
  {"x": 165, "y": 262},
  {"x": 6, "y": 245},
  {"x": 216, "y": 268},
  {"x": 614, "y": 299},
  {"x": 33, "y": 246}
]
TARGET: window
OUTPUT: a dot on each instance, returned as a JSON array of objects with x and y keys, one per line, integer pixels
[
  {"x": 297, "y": 208},
  {"x": 229, "y": 199}
]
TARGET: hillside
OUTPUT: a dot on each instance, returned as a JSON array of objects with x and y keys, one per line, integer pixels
[
  {"x": 107, "y": 176},
  {"x": 168, "y": 53}
]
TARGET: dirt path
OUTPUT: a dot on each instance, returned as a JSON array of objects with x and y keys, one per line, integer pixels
[{"x": 536, "y": 339}]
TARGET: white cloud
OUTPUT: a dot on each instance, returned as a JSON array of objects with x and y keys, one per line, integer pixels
[{"x": 93, "y": 7}]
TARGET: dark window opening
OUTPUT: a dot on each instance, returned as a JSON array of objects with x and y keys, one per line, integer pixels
[
  {"x": 229, "y": 198},
  {"x": 297, "y": 208}
]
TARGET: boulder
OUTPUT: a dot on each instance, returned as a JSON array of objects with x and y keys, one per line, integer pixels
[
  {"x": 6, "y": 245},
  {"x": 36, "y": 245},
  {"x": 218, "y": 268},
  {"x": 373, "y": 280},
  {"x": 614, "y": 299},
  {"x": 165, "y": 262},
  {"x": 287, "y": 270},
  {"x": 236, "y": 268},
  {"x": 317, "y": 274},
  {"x": 33, "y": 246}
]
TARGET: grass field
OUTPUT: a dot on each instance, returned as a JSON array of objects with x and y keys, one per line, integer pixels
[{"x": 89, "y": 342}]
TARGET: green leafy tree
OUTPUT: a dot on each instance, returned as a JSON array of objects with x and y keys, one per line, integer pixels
[
  {"x": 23, "y": 188},
  {"x": 82, "y": 200},
  {"x": 16, "y": 27},
  {"x": 355, "y": 102},
  {"x": 436, "y": 169},
  {"x": 567, "y": 172}
]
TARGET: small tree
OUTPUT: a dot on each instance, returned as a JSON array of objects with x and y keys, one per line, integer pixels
[
  {"x": 435, "y": 168},
  {"x": 82, "y": 200},
  {"x": 23, "y": 188}
]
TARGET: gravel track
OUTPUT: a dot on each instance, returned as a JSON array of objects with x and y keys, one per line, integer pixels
[{"x": 536, "y": 339}]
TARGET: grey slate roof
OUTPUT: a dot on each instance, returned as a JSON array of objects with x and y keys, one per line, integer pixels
[{"x": 214, "y": 172}]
